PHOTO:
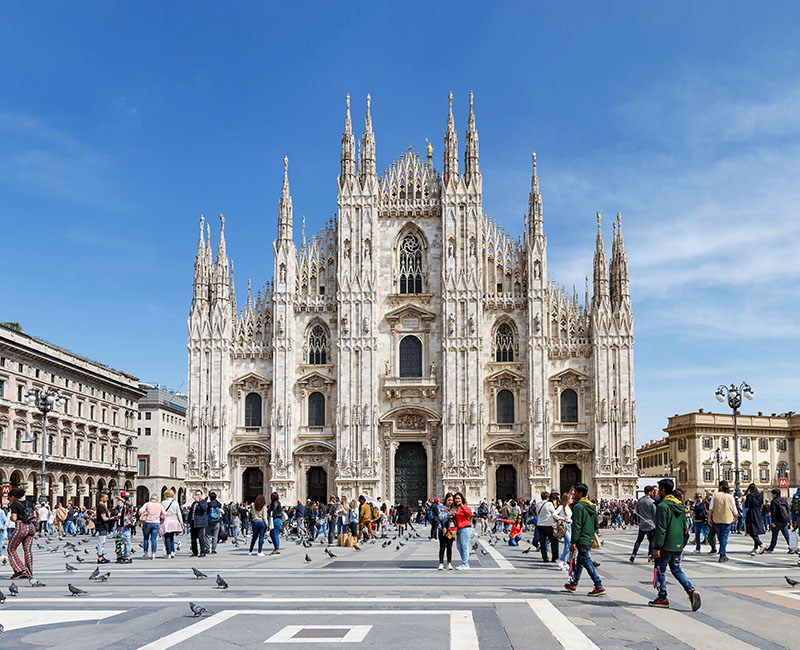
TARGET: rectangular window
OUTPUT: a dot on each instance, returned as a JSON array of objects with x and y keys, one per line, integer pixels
[
  {"x": 91, "y": 412},
  {"x": 148, "y": 415},
  {"x": 2, "y": 362},
  {"x": 19, "y": 393},
  {"x": 173, "y": 467},
  {"x": 20, "y": 367},
  {"x": 746, "y": 475},
  {"x": 681, "y": 444},
  {"x": 80, "y": 409},
  {"x": 36, "y": 373},
  {"x": 102, "y": 453},
  {"x": 727, "y": 473},
  {"x": 143, "y": 462},
  {"x": 139, "y": 416},
  {"x": 708, "y": 475},
  {"x": 114, "y": 418},
  {"x": 763, "y": 475},
  {"x": 763, "y": 444},
  {"x": 682, "y": 475},
  {"x": 91, "y": 451},
  {"x": 725, "y": 443},
  {"x": 745, "y": 444},
  {"x": 706, "y": 442},
  {"x": 78, "y": 448},
  {"x": 147, "y": 431},
  {"x": 103, "y": 415},
  {"x": 781, "y": 443},
  {"x": 2, "y": 388},
  {"x": 65, "y": 448}
]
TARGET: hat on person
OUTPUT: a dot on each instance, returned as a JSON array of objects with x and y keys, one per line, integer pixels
[
  {"x": 125, "y": 495},
  {"x": 436, "y": 500}
]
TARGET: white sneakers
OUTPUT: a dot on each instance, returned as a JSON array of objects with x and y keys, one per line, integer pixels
[
  {"x": 260, "y": 555},
  {"x": 441, "y": 567},
  {"x": 449, "y": 567},
  {"x": 251, "y": 553},
  {"x": 461, "y": 567}
]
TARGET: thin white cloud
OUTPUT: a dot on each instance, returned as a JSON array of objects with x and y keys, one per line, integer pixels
[{"x": 124, "y": 108}]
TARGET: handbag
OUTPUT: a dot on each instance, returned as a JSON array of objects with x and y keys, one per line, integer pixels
[
  {"x": 560, "y": 529},
  {"x": 449, "y": 534},
  {"x": 596, "y": 543}
]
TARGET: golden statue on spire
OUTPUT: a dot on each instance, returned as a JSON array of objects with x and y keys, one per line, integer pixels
[{"x": 429, "y": 147}]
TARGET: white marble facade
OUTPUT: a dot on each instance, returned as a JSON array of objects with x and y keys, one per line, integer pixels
[{"x": 411, "y": 347}]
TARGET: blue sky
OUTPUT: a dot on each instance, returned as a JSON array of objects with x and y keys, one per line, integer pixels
[{"x": 121, "y": 123}]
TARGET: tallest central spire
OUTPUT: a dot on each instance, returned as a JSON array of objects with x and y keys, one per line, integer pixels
[
  {"x": 348, "y": 162},
  {"x": 285, "y": 205},
  {"x": 366, "y": 166},
  {"x": 450, "y": 146},
  {"x": 471, "y": 143}
]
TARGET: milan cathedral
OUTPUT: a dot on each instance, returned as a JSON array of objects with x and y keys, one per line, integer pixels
[{"x": 411, "y": 347}]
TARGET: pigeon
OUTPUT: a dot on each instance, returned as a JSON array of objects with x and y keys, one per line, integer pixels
[
  {"x": 221, "y": 584},
  {"x": 330, "y": 553},
  {"x": 66, "y": 553},
  {"x": 94, "y": 573},
  {"x": 401, "y": 543},
  {"x": 13, "y": 589},
  {"x": 475, "y": 546},
  {"x": 2, "y": 598},
  {"x": 397, "y": 548},
  {"x": 198, "y": 574},
  {"x": 70, "y": 568},
  {"x": 484, "y": 552},
  {"x": 79, "y": 558},
  {"x": 105, "y": 576},
  {"x": 35, "y": 583},
  {"x": 527, "y": 550},
  {"x": 86, "y": 551},
  {"x": 197, "y": 610},
  {"x": 357, "y": 547},
  {"x": 2, "y": 629},
  {"x": 75, "y": 591},
  {"x": 5, "y": 561},
  {"x": 308, "y": 558},
  {"x": 792, "y": 583}
]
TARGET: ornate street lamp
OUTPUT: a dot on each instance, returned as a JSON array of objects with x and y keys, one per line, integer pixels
[
  {"x": 718, "y": 456},
  {"x": 734, "y": 396},
  {"x": 45, "y": 401}
]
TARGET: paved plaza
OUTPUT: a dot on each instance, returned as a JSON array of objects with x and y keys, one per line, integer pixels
[{"x": 393, "y": 597}]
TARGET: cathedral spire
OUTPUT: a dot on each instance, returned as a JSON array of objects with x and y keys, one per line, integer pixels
[
  {"x": 366, "y": 165},
  {"x": 221, "y": 252},
  {"x": 450, "y": 146},
  {"x": 285, "y": 206},
  {"x": 348, "y": 163},
  {"x": 200, "y": 286},
  {"x": 303, "y": 234},
  {"x": 619, "y": 267},
  {"x": 471, "y": 145},
  {"x": 535, "y": 219},
  {"x": 600, "y": 266}
]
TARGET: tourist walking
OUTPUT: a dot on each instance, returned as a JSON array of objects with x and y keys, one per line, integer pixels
[
  {"x": 781, "y": 517},
  {"x": 584, "y": 527},
  {"x": 214, "y": 522},
  {"x": 198, "y": 520},
  {"x": 151, "y": 515},
  {"x": 104, "y": 523},
  {"x": 22, "y": 515},
  {"x": 564, "y": 514},
  {"x": 127, "y": 520},
  {"x": 463, "y": 517},
  {"x": 276, "y": 515},
  {"x": 364, "y": 518},
  {"x": 172, "y": 522},
  {"x": 258, "y": 523},
  {"x": 646, "y": 514},
  {"x": 445, "y": 530},
  {"x": 668, "y": 542},
  {"x": 544, "y": 524},
  {"x": 753, "y": 519},
  {"x": 723, "y": 517}
]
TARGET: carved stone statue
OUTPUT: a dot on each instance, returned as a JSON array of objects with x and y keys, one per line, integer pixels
[
  {"x": 433, "y": 369},
  {"x": 387, "y": 368},
  {"x": 451, "y": 324}
]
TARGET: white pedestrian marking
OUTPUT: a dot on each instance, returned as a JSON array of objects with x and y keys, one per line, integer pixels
[
  {"x": 355, "y": 634},
  {"x": 463, "y": 635},
  {"x": 15, "y": 619},
  {"x": 786, "y": 593},
  {"x": 502, "y": 563},
  {"x": 681, "y": 625},
  {"x": 560, "y": 626},
  {"x": 188, "y": 632}
]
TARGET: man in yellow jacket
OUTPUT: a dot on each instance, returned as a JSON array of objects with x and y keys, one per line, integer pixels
[{"x": 364, "y": 517}]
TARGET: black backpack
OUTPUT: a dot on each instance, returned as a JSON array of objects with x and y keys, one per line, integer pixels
[
  {"x": 783, "y": 510},
  {"x": 29, "y": 515}
]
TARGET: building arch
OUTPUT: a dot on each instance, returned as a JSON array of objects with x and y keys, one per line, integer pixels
[
  {"x": 505, "y": 407},
  {"x": 252, "y": 409},
  {"x": 410, "y": 356},
  {"x": 505, "y": 341},
  {"x": 316, "y": 409},
  {"x": 317, "y": 343},
  {"x": 568, "y": 401},
  {"x": 410, "y": 260}
]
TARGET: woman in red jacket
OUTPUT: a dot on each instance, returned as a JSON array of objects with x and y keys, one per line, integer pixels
[
  {"x": 463, "y": 517},
  {"x": 515, "y": 534}
]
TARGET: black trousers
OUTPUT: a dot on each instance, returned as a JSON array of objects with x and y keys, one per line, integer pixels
[
  {"x": 199, "y": 540},
  {"x": 546, "y": 533},
  {"x": 640, "y": 538},
  {"x": 445, "y": 545}
]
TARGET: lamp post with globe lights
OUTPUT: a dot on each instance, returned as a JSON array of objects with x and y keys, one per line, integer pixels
[
  {"x": 719, "y": 457},
  {"x": 734, "y": 396},
  {"x": 45, "y": 401}
]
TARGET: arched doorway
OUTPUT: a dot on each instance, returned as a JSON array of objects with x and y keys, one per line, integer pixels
[
  {"x": 181, "y": 495},
  {"x": 505, "y": 482},
  {"x": 252, "y": 484},
  {"x": 142, "y": 495},
  {"x": 410, "y": 474},
  {"x": 570, "y": 475},
  {"x": 317, "y": 484}
]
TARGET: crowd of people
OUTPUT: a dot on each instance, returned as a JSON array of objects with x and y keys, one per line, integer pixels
[{"x": 564, "y": 526}]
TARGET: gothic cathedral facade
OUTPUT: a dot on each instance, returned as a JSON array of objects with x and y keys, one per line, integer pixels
[{"x": 411, "y": 348}]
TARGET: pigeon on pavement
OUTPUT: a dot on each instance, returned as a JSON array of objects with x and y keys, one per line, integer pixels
[
  {"x": 104, "y": 577},
  {"x": 484, "y": 552},
  {"x": 70, "y": 568},
  {"x": 330, "y": 553},
  {"x": 527, "y": 550},
  {"x": 221, "y": 584},
  {"x": 74, "y": 590},
  {"x": 13, "y": 589},
  {"x": 35, "y": 583},
  {"x": 79, "y": 558},
  {"x": 197, "y": 610},
  {"x": 792, "y": 583},
  {"x": 198, "y": 574},
  {"x": 94, "y": 573},
  {"x": 2, "y": 598},
  {"x": 308, "y": 558}
]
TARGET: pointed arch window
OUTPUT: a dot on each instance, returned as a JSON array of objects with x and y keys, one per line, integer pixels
[
  {"x": 505, "y": 407},
  {"x": 410, "y": 260},
  {"x": 252, "y": 410},
  {"x": 504, "y": 343},
  {"x": 410, "y": 357},
  {"x": 316, "y": 410},
  {"x": 317, "y": 346},
  {"x": 569, "y": 405}
]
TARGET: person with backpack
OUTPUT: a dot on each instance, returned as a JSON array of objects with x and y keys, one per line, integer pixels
[
  {"x": 198, "y": 520},
  {"x": 646, "y": 514},
  {"x": 127, "y": 522},
  {"x": 276, "y": 521},
  {"x": 668, "y": 542},
  {"x": 433, "y": 517},
  {"x": 584, "y": 526},
  {"x": 796, "y": 508},
  {"x": 780, "y": 516},
  {"x": 23, "y": 515},
  {"x": 214, "y": 519}
]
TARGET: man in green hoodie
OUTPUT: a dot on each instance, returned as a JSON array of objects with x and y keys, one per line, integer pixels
[
  {"x": 584, "y": 526},
  {"x": 668, "y": 545}
]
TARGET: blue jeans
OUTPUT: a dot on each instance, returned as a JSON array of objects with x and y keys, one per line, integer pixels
[
  {"x": 567, "y": 542},
  {"x": 514, "y": 541},
  {"x": 169, "y": 543},
  {"x": 462, "y": 539},
  {"x": 101, "y": 539},
  {"x": 723, "y": 530},
  {"x": 584, "y": 561},
  {"x": 674, "y": 562},
  {"x": 698, "y": 534},
  {"x": 150, "y": 533},
  {"x": 125, "y": 534},
  {"x": 259, "y": 527},
  {"x": 779, "y": 528},
  {"x": 275, "y": 532}
]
